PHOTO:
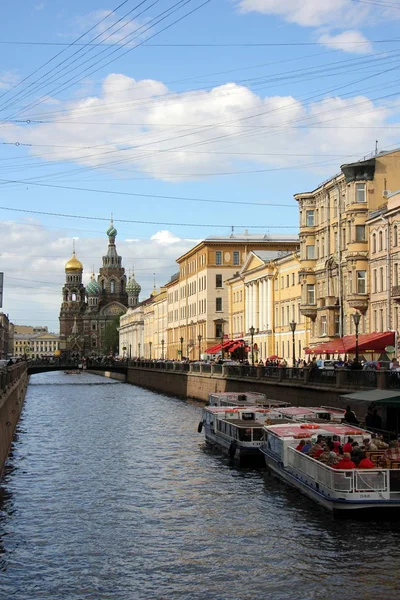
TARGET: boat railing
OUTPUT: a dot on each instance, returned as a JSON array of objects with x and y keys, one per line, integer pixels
[{"x": 347, "y": 481}]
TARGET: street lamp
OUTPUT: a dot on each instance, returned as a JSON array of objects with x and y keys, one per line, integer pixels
[
  {"x": 181, "y": 341},
  {"x": 162, "y": 349},
  {"x": 150, "y": 345},
  {"x": 356, "y": 319},
  {"x": 252, "y": 330},
  {"x": 139, "y": 349},
  {"x": 293, "y": 329},
  {"x": 199, "y": 337}
]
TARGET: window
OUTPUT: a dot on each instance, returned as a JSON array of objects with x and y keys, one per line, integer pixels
[
  {"x": 311, "y": 294},
  {"x": 309, "y": 218},
  {"x": 293, "y": 280},
  {"x": 236, "y": 258},
  {"x": 324, "y": 326},
  {"x": 310, "y": 252},
  {"x": 218, "y": 281},
  {"x": 375, "y": 281},
  {"x": 381, "y": 279},
  {"x": 374, "y": 243},
  {"x": 218, "y": 304},
  {"x": 361, "y": 282},
  {"x": 282, "y": 315},
  {"x": 395, "y": 236},
  {"x": 287, "y": 280},
  {"x": 360, "y": 192},
  {"x": 380, "y": 240},
  {"x": 218, "y": 257},
  {"x": 396, "y": 274},
  {"x": 337, "y": 325},
  {"x": 218, "y": 330},
  {"x": 360, "y": 233}
]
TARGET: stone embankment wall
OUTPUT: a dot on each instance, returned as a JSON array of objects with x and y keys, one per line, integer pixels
[
  {"x": 13, "y": 384},
  {"x": 199, "y": 386}
]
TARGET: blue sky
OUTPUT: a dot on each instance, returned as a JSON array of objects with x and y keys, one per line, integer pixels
[{"x": 215, "y": 122}]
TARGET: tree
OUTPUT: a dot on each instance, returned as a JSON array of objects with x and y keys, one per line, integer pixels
[{"x": 111, "y": 336}]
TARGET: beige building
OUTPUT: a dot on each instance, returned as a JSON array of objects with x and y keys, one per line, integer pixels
[
  {"x": 197, "y": 297},
  {"x": 36, "y": 345},
  {"x": 334, "y": 245},
  {"x": 266, "y": 295},
  {"x": 384, "y": 243}
]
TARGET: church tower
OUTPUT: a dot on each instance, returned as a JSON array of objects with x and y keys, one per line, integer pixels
[
  {"x": 112, "y": 279},
  {"x": 133, "y": 289},
  {"x": 73, "y": 298}
]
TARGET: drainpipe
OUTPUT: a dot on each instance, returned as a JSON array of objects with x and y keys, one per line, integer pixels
[
  {"x": 388, "y": 275},
  {"x": 339, "y": 243}
]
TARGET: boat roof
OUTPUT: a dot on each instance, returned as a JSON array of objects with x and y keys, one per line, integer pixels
[
  {"x": 235, "y": 394},
  {"x": 296, "y": 410},
  {"x": 237, "y": 409},
  {"x": 289, "y": 430},
  {"x": 250, "y": 424}
]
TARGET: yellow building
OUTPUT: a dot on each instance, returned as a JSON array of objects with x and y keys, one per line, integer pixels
[
  {"x": 334, "y": 245},
  {"x": 197, "y": 297},
  {"x": 384, "y": 241},
  {"x": 36, "y": 345},
  {"x": 266, "y": 295},
  {"x": 155, "y": 322}
]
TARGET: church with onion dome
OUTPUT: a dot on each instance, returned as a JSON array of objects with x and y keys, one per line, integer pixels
[{"x": 85, "y": 311}]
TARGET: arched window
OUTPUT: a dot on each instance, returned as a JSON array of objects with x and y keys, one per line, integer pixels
[
  {"x": 103, "y": 285},
  {"x": 112, "y": 286},
  {"x": 73, "y": 297},
  {"x": 380, "y": 240},
  {"x": 395, "y": 235},
  {"x": 374, "y": 242}
]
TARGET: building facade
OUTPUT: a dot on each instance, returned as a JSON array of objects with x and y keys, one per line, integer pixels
[
  {"x": 86, "y": 311},
  {"x": 334, "y": 245},
  {"x": 36, "y": 345},
  {"x": 5, "y": 337},
  {"x": 266, "y": 295},
  {"x": 197, "y": 297}
]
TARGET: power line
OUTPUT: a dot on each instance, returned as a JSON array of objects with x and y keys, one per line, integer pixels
[
  {"x": 68, "y": 216},
  {"x": 214, "y": 45}
]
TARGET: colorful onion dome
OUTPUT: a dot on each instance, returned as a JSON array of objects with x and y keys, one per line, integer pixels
[
  {"x": 73, "y": 264},
  {"x": 93, "y": 288},
  {"x": 111, "y": 231},
  {"x": 132, "y": 287}
]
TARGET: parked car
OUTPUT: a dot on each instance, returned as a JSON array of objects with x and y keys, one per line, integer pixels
[{"x": 327, "y": 364}]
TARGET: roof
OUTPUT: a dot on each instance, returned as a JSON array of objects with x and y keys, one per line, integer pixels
[
  {"x": 378, "y": 397},
  {"x": 288, "y": 430},
  {"x": 267, "y": 255},
  {"x": 253, "y": 237}
]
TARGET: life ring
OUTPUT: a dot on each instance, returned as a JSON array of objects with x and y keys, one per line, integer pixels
[
  {"x": 200, "y": 427},
  {"x": 301, "y": 436},
  {"x": 306, "y": 426},
  {"x": 352, "y": 432},
  {"x": 314, "y": 427},
  {"x": 232, "y": 449}
]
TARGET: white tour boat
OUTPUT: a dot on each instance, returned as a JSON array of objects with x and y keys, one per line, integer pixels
[
  {"x": 237, "y": 431},
  {"x": 309, "y": 413},
  {"x": 337, "y": 490},
  {"x": 243, "y": 399}
]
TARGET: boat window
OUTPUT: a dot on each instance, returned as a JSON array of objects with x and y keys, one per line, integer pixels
[
  {"x": 257, "y": 434},
  {"x": 275, "y": 444},
  {"x": 248, "y": 416},
  {"x": 245, "y": 435}
]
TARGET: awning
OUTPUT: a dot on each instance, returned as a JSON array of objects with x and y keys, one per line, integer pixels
[
  {"x": 375, "y": 342},
  {"x": 228, "y": 346},
  {"x": 376, "y": 397}
]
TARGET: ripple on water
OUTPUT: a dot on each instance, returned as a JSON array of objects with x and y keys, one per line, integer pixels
[{"x": 111, "y": 494}]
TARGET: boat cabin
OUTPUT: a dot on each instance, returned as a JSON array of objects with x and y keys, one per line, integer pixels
[{"x": 243, "y": 399}]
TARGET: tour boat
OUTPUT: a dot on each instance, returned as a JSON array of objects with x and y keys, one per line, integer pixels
[
  {"x": 337, "y": 490},
  {"x": 237, "y": 431},
  {"x": 309, "y": 413},
  {"x": 243, "y": 399}
]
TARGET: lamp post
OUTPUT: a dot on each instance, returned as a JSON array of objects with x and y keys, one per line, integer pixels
[
  {"x": 222, "y": 345},
  {"x": 181, "y": 341},
  {"x": 130, "y": 351},
  {"x": 252, "y": 330},
  {"x": 199, "y": 337},
  {"x": 162, "y": 349},
  {"x": 139, "y": 349},
  {"x": 150, "y": 345},
  {"x": 293, "y": 329},
  {"x": 356, "y": 319}
]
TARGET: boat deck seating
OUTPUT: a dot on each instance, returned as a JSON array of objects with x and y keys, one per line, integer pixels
[{"x": 375, "y": 455}]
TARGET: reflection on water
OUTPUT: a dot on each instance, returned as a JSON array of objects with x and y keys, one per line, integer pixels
[{"x": 111, "y": 494}]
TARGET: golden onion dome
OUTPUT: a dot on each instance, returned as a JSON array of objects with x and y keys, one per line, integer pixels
[{"x": 73, "y": 264}]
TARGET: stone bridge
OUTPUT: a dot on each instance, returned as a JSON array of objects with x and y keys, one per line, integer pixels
[{"x": 34, "y": 368}]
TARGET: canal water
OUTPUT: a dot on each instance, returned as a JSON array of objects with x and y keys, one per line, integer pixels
[{"x": 111, "y": 494}]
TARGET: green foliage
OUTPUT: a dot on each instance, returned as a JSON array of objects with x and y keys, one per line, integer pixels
[{"x": 111, "y": 336}]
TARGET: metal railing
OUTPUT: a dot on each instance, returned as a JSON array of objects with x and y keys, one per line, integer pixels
[{"x": 347, "y": 481}]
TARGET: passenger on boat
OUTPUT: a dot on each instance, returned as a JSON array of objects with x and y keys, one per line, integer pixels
[
  {"x": 300, "y": 446},
  {"x": 356, "y": 452},
  {"x": 365, "y": 463},
  {"x": 391, "y": 454},
  {"x": 348, "y": 447},
  {"x": 333, "y": 459},
  {"x": 316, "y": 450},
  {"x": 307, "y": 447},
  {"x": 345, "y": 462},
  {"x": 369, "y": 446},
  {"x": 378, "y": 441},
  {"x": 325, "y": 456}
]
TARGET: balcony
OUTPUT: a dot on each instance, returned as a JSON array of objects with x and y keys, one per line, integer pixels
[
  {"x": 309, "y": 310},
  {"x": 358, "y": 302}
]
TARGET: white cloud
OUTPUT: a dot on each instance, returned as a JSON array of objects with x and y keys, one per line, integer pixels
[
  {"x": 349, "y": 41},
  {"x": 191, "y": 135},
  {"x": 109, "y": 30},
  {"x": 34, "y": 259},
  {"x": 7, "y": 80}
]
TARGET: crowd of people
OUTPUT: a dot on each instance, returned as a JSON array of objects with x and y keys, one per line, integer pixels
[{"x": 351, "y": 455}]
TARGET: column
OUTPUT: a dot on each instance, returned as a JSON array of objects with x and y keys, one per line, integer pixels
[
  {"x": 270, "y": 303},
  {"x": 257, "y": 304},
  {"x": 252, "y": 305},
  {"x": 262, "y": 305},
  {"x": 247, "y": 301}
]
